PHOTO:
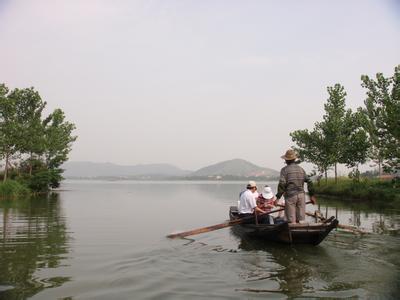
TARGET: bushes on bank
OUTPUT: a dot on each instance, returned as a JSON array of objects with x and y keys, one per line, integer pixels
[
  {"x": 380, "y": 192},
  {"x": 22, "y": 184},
  {"x": 42, "y": 180},
  {"x": 12, "y": 188}
]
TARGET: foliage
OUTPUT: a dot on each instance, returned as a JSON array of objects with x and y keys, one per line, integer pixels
[
  {"x": 339, "y": 138},
  {"x": 8, "y": 130},
  {"x": 58, "y": 138},
  {"x": 12, "y": 188},
  {"x": 386, "y": 193},
  {"x": 312, "y": 147},
  {"x": 44, "y": 179},
  {"x": 382, "y": 118},
  {"x": 41, "y": 178},
  {"x": 33, "y": 147},
  {"x": 333, "y": 125},
  {"x": 28, "y": 111},
  {"x": 356, "y": 144},
  {"x": 344, "y": 137}
]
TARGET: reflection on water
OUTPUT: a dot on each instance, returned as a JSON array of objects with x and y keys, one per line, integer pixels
[
  {"x": 293, "y": 267},
  {"x": 291, "y": 272},
  {"x": 366, "y": 217},
  {"x": 33, "y": 237},
  {"x": 347, "y": 270},
  {"x": 111, "y": 249}
]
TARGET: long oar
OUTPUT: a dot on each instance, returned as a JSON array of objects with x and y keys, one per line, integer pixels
[
  {"x": 341, "y": 226},
  {"x": 218, "y": 226}
]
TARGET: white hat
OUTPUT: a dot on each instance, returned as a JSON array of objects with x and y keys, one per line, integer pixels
[
  {"x": 251, "y": 184},
  {"x": 267, "y": 193}
]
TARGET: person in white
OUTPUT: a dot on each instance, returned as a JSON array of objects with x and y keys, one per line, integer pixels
[
  {"x": 267, "y": 201},
  {"x": 272, "y": 203},
  {"x": 247, "y": 201}
]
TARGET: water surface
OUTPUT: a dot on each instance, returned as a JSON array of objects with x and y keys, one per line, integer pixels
[{"x": 106, "y": 240}]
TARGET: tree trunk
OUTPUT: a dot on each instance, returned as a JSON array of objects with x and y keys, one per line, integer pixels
[
  {"x": 326, "y": 176},
  {"x": 6, "y": 167},
  {"x": 30, "y": 165},
  {"x": 335, "y": 173},
  {"x": 357, "y": 174},
  {"x": 379, "y": 168}
]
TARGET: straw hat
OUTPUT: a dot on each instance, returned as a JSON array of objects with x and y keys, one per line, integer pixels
[
  {"x": 267, "y": 193},
  {"x": 251, "y": 184},
  {"x": 289, "y": 155}
]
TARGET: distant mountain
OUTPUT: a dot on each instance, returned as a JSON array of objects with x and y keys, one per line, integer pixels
[
  {"x": 235, "y": 168},
  {"x": 92, "y": 170},
  {"x": 230, "y": 170}
]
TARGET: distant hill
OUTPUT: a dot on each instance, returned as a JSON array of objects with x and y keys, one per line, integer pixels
[
  {"x": 92, "y": 170},
  {"x": 235, "y": 168},
  {"x": 230, "y": 170}
]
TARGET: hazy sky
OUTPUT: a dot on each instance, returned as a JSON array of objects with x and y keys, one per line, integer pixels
[{"x": 193, "y": 83}]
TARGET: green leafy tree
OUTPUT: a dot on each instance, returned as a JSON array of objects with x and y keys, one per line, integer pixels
[
  {"x": 392, "y": 123},
  {"x": 332, "y": 127},
  {"x": 382, "y": 118},
  {"x": 339, "y": 138},
  {"x": 30, "y": 132},
  {"x": 38, "y": 146},
  {"x": 373, "y": 116},
  {"x": 355, "y": 150},
  {"x": 312, "y": 148},
  {"x": 58, "y": 142},
  {"x": 8, "y": 128}
]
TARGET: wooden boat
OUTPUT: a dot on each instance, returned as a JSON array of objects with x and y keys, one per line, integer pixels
[{"x": 307, "y": 233}]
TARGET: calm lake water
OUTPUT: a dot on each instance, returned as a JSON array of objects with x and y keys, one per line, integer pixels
[{"x": 106, "y": 240}]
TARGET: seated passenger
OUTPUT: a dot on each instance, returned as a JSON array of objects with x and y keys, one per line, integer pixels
[
  {"x": 267, "y": 198},
  {"x": 247, "y": 202},
  {"x": 266, "y": 201}
]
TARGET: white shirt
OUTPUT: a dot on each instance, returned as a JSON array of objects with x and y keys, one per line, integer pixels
[{"x": 247, "y": 202}]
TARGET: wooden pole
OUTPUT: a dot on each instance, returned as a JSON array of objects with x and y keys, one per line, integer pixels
[
  {"x": 217, "y": 226},
  {"x": 341, "y": 226},
  {"x": 220, "y": 226}
]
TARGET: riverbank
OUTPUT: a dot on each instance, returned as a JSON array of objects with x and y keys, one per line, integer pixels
[
  {"x": 380, "y": 192},
  {"x": 13, "y": 188},
  {"x": 74, "y": 244}
]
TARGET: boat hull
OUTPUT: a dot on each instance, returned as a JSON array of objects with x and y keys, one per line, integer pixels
[{"x": 313, "y": 233}]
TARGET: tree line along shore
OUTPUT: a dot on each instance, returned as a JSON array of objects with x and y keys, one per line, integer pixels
[
  {"x": 33, "y": 146},
  {"x": 352, "y": 138},
  {"x": 374, "y": 191}
]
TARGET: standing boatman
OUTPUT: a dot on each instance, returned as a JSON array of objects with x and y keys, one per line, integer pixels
[{"x": 291, "y": 185}]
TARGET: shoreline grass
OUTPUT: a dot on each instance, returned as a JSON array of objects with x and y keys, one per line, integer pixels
[
  {"x": 13, "y": 188},
  {"x": 382, "y": 192}
]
